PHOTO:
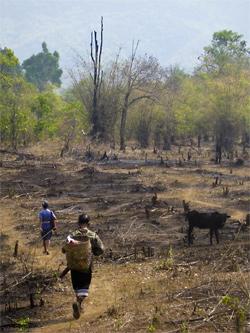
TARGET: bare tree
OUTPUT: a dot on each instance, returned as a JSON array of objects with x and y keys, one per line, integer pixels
[
  {"x": 140, "y": 80},
  {"x": 110, "y": 101},
  {"x": 106, "y": 92},
  {"x": 96, "y": 55},
  {"x": 87, "y": 78},
  {"x": 173, "y": 77}
]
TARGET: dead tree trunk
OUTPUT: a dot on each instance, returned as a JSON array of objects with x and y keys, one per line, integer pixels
[
  {"x": 166, "y": 142},
  {"x": 32, "y": 302},
  {"x": 16, "y": 249},
  {"x": 69, "y": 136},
  {"x": 123, "y": 123},
  {"x": 218, "y": 152},
  {"x": 96, "y": 56},
  {"x": 199, "y": 140},
  {"x": 245, "y": 141}
]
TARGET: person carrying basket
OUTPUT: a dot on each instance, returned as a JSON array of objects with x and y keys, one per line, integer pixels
[{"x": 79, "y": 248}]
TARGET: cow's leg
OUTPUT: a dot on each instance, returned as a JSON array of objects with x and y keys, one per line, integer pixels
[
  {"x": 190, "y": 238},
  {"x": 211, "y": 236},
  {"x": 217, "y": 235}
]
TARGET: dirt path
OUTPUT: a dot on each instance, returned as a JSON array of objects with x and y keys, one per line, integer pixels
[
  {"x": 127, "y": 295},
  {"x": 56, "y": 315}
]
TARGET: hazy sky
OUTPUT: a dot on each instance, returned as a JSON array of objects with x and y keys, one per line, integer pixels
[{"x": 174, "y": 31}]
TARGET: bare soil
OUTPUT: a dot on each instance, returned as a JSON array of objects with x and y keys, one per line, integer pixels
[{"x": 149, "y": 279}]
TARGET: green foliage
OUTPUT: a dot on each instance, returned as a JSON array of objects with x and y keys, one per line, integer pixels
[
  {"x": 151, "y": 328},
  {"x": 159, "y": 124},
  {"x": 9, "y": 63},
  {"x": 73, "y": 124},
  {"x": 224, "y": 79},
  {"x": 23, "y": 324},
  {"x": 46, "y": 108},
  {"x": 140, "y": 123},
  {"x": 228, "y": 104},
  {"x": 213, "y": 101},
  {"x": 58, "y": 116},
  {"x": 146, "y": 123},
  {"x": 172, "y": 89},
  {"x": 26, "y": 114},
  {"x": 168, "y": 262},
  {"x": 191, "y": 109},
  {"x": 240, "y": 311},
  {"x": 43, "y": 68},
  {"x": 227, "y": 47},
  {"x": 16, "y": 120},
  {"x": 118, "y": 323},
  {"x": 155, "y": 320},
  {"x": 108, "y": 107},
  {"x": 184, "y": 327}
]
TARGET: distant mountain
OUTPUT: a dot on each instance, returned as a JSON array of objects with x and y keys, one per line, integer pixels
[{"x": 174, "y": 31}]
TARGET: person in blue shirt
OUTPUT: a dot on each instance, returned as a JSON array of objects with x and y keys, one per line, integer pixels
[{"x": 47, "y": 223}]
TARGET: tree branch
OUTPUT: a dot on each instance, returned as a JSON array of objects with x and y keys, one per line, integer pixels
[{"x": 141, "y": 97}]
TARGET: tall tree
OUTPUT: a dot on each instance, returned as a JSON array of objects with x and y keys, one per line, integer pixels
[
  {"x": 141, "y": 77},
  {"x": 224, "y": 72},
  {"x": 46, "y": 108},
  {"x": 172, "y": 87},
  {"x": 43, "y": 68},
  {"x": 16, "y": 120},
  {"x": 227, "y": 47},
  {"x": 96, "y": 57},
  {"x": 9, "y": 63},
  {"x": 72, "y": 123},
  {"x": 88, "y": 82}
]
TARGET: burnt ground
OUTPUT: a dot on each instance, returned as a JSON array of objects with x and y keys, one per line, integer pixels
[{"x": 148, "y": 280}]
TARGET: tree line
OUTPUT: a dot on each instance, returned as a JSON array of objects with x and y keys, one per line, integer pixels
[{"x": 129, "y": 98}]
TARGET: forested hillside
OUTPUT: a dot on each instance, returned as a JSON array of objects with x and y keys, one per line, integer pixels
[{"x": 130, "y": 98}]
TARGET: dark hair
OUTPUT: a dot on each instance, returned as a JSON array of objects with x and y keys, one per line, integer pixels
[
  {"x": 83, "y": 219},
  {"x": 45, "y": 204}
]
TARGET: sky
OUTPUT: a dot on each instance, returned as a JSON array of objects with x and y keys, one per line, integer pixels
[{"x": 174, "y": 31}]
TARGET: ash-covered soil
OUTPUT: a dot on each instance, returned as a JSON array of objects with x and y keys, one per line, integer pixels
[{"x": 148, "y": 280}]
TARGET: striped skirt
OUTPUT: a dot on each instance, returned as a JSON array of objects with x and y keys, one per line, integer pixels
[{"x": 81, "y": 282}]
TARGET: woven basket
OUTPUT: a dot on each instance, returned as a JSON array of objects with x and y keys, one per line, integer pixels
[{"x": 78, "y": 256}]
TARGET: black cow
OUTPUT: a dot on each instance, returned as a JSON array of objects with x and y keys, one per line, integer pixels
[{"x": 212, "y": 221}]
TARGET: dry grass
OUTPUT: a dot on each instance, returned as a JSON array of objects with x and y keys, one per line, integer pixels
[{"x": 180, "y": 290}]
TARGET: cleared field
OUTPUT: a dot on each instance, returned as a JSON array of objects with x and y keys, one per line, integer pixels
[{"x": 148, "y": 280}]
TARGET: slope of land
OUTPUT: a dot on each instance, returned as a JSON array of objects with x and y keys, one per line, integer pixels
[{"x": 148, "y": 280}]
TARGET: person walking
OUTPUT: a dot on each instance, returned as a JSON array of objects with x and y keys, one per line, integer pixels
[
  {"x": 47, "y": 220},
  {"x": 80, "y": 247}
]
